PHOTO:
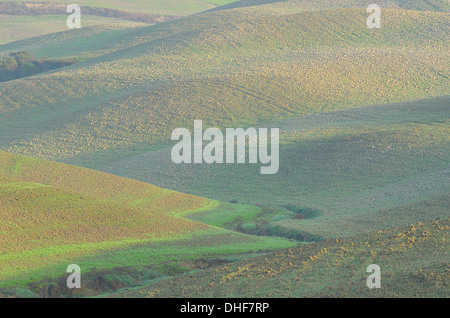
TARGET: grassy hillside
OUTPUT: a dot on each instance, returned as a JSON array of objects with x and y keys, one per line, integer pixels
[
  {"x": 23, "y": 64},
  {"x": 364, "y": 117},
  {"x": 27, "y": 19},
  {"x": 22, "y": 20},
  {"x": 413, "y": 261},
  {"x": 242, "y": 28},
  {"x": 54, "y": 215},
  {"x": 87, "y": 42},
  {"x": 43, "y": 226},
  {"x": 313, "y": 5},
  {"x": 352, "y": 167},
  {"x": 93, "y": 107},
  {"x": 94, "y": 183}
]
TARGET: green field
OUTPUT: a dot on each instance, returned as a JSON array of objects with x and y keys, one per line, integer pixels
[
  {"x": 347, "y": 165},
  {"x": 120, "y": 122}
]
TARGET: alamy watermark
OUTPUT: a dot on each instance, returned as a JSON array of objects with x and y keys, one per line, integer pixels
[
  {"x": 374, "y": 280},
  {"x": 74, "y": 20},
  {"x": 374, "y": 20},
  {"x": 220, "y": 149}
]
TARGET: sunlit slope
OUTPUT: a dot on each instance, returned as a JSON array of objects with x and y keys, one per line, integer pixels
[
  {"x": 96, "y": 184},
  {"x": 91, "y": 41},
  {"x": 413, "y": 262},
  {"x": 54, "y": 215},
  {"x": 44, "y": 229},
  {"x": 238, "y": 74}
]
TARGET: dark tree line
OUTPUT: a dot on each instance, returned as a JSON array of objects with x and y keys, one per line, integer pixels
[{"x": 22, "y": 64}]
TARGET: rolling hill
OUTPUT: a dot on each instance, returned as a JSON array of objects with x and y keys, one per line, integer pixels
[
  {"x": 413, "y": 262},
  {"x": 54, "y": 215},
  {"x": 168, "y": 7},
  {"x": 15, "y": 28},
  {"x": 25, "y": 19},
  {"x": 227, "y": 69},
  {"x": 349, "y": 166},
  {"x": 313, "y": 5},
  {"x": 92, "y": 109}
]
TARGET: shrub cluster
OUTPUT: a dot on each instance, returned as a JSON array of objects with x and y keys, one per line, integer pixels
[{"x": 22, "y": 64}]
